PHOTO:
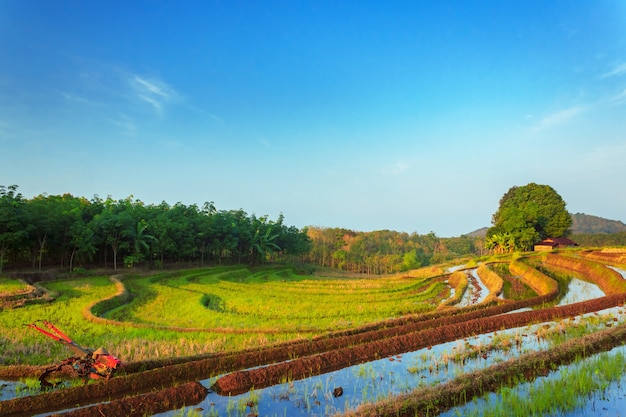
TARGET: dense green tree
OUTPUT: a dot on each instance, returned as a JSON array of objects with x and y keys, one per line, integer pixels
[
  {"x": 140, "y": 239},
  {"x": 600, "y": 239},
  {"x": 162, "y": 245},
  {"x": 79, "y": 238},
  {"x": 116, "y": 224},
  {"x": 410, "y": 260},
  {"x": 529, "y": 214},
  {"x": 67, "y": 229},
  {"x": 45, "y": 224},
  {"x": 382, "y": 251},
  {"x": 263, "y": 244},
  {"x": 12, "y": 230}
]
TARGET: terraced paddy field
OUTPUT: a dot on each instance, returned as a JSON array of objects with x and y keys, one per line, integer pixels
[{"x": 235, "y": 341}]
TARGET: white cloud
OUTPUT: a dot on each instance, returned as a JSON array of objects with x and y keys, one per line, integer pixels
[
  {"x": 76, "y": 98},
  {"x": 558, "y": 118},
  {"x": 618, "y": 70},
  {"x": 152, "y": 101},
  {"x": 619, "y": 98},
  {"x": 154, "y": 92},
  {"x": 154, "y": 87}
]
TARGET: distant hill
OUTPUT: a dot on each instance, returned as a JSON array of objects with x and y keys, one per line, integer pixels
[
  {"x": 588, "y": 224},
  {"x": 482, "y": 232},
  {"x": 581, "y": 224}
]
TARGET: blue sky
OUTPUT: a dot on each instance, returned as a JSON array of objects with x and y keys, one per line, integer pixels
[{"x": 413, "y": 116}]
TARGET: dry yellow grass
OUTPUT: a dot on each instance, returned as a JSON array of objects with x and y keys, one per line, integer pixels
[
  {"x": 607, "y": 279},
  {"x": 538, "y": 281},
  {"x": 491, "y": 279}
]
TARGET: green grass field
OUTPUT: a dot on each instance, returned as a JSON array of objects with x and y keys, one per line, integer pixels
[
  {"x": 207, "y": 310},
  {"x": 11, "y": 286}
]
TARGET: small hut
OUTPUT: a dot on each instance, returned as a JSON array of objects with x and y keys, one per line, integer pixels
[{"x": 552, "y": 243}]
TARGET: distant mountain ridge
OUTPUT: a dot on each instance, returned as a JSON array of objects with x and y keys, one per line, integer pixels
[
  {"x": 587, "y": 224},
  {"x": 581, "y": 224}
]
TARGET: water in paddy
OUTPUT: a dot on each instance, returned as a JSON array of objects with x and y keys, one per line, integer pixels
[
  {"x": 394, "y": 375},
  {"x": 607, "y": 402},
  {"x": 378, "y": 379}
]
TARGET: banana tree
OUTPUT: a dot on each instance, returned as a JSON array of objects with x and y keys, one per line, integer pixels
[{"x": 263, "y": 244}]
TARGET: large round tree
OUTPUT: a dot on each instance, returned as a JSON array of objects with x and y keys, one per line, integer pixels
[{"x": 527, "y": 215}]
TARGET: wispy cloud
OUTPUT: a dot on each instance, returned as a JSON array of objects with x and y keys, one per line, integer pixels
[
  {"x": 395, "y": 169},
  {"x": 560, "y": 117},
  {"x": 618, "y": 99},
  {"x": 79, "y": 99},
  {"x": 126, "y": 125},
  {"x": 154, "y": 92},
  {"x": 618, "y": 70}
]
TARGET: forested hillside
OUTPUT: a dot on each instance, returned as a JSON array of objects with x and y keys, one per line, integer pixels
[
  {"x": 588, "y": 224},
  {"x": 385, "y": 251},
  {"x": 73, "y": 233},
  {"x": 582, "y": 224}
]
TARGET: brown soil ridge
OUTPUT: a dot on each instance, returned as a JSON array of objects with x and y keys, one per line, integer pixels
[
  {"x": 242, "y": 381},
  {"x": 428, "y": 325},
  {"x": 33, "y": 294},
  {"x": 434, "y": 400},
  {"x": 146, "y": 404},
  {"x": 304, "y": 347},
  {"x": 139, "y": 380}
]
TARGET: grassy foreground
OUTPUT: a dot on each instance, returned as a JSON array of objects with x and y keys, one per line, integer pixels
[{"x": 207, "y": 310}]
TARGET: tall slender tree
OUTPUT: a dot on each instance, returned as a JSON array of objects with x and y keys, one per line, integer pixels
[{"x": 12, "y": 230}]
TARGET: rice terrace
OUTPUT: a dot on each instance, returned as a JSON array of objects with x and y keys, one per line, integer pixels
[
  {"x": 245, "y": 341},
  {"x": 250, "y": 325}
]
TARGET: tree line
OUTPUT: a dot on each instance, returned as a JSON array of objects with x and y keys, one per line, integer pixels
[
  {"x": 600, "y": 239},
  {"x": 75, "y": 232},
  {"x": 71, "y": 232},
  {"x": 385, "y": 251}
]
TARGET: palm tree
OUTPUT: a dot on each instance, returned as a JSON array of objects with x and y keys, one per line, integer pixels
[{"x": 140, "y": 243}]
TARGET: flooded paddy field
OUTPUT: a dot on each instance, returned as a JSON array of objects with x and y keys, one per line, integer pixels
[{"x": 351, "y": 372}]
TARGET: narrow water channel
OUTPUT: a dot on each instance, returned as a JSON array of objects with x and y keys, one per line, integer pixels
[
  {"x": 317, "y": 396},
  {"x": 345, "y": 389}
]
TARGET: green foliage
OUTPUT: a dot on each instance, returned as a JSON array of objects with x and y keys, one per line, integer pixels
[
  {"x": 71, "y": 231},
  {"x": 600, "y": 239},
  {"x": 527, "y": 215},
  {"x": 266, "y": 299},
  {"x": 12, "y": 222},
  {"x": 204, "y": 311},
  {"x": 75, "y": 232},
  {"x": 383, "y": 251},
  {"x": 9, "y": 285}
]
